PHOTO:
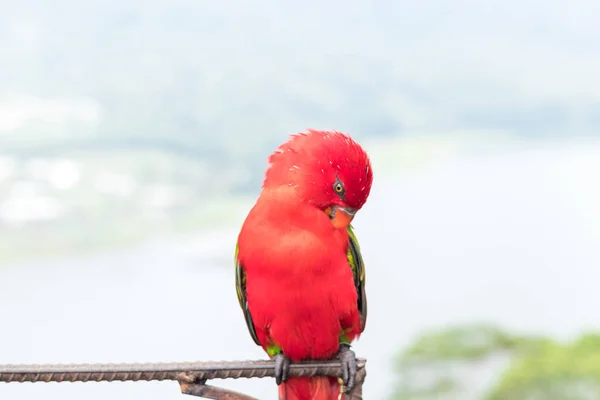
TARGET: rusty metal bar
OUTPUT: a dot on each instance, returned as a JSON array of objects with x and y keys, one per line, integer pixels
[
  {"x": 162, "y": 371},
  {"x": 192, "y": 376},
  {"x": 211, "y": 392}
]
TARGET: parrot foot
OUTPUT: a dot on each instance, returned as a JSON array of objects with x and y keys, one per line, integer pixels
[
  {"x": 349, "y": 366},
  {"x": 282, "y": 368}
]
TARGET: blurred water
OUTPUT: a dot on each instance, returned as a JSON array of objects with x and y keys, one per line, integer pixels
[{"x": 512, "y": 237}]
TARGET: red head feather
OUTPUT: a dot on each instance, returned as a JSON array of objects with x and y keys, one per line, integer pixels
[{"x": 325, "y": 168}]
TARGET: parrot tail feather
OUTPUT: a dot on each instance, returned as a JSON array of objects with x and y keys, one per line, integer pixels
[{"x": 314, "y": 388}]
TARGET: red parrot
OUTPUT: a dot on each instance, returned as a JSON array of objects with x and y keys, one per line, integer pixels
[{"x": 300, "y": 276}]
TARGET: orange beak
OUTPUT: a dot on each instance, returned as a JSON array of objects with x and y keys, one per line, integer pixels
[{"x": 341, "y": 217}]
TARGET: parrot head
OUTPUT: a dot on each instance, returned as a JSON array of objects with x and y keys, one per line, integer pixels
[{"x": 326, "y": 169}]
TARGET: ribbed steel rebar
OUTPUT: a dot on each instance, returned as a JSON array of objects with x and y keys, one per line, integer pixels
[{"x": 163, "y": 371}]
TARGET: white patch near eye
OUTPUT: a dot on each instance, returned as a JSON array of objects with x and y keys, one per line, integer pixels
[
  {"x": 363, "y": 189},
  {"x": 295, "y": 167},
  {"x": 338, "y": 166},
  {"x": 322, "y": 170}
]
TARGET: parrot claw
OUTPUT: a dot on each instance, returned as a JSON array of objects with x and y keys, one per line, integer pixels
[
  {"x": 349, "y": 367},
  {"x": 282, "y": 368}
]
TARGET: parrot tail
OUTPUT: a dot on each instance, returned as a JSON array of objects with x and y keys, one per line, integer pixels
[{"x": 315, "y": 388}]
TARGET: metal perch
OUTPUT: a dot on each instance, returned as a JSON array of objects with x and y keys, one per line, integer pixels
[{"x": 192, "y": 376}]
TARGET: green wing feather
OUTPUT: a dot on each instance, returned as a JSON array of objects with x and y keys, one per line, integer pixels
[
  {"x": 358, "y": 270},
  {"x": 240, "y": 286}
]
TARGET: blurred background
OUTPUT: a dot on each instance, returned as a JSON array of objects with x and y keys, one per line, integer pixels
[{"x": 134, "y": 136}]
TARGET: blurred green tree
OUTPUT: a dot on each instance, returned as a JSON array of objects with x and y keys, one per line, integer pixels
[{"x": 452, "y": 363}]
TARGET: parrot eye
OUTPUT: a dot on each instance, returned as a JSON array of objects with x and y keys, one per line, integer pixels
[{"x": 338, "y": 187}]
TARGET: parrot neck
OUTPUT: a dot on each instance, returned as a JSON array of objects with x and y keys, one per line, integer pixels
[
  {"x": 282, "y": 205},
  {"x": 282, "y": 196}
]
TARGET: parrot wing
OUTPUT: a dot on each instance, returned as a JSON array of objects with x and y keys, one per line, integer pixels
[
  {"x": 358, "y": 270},
  {"x": 240, "y": 285}
]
